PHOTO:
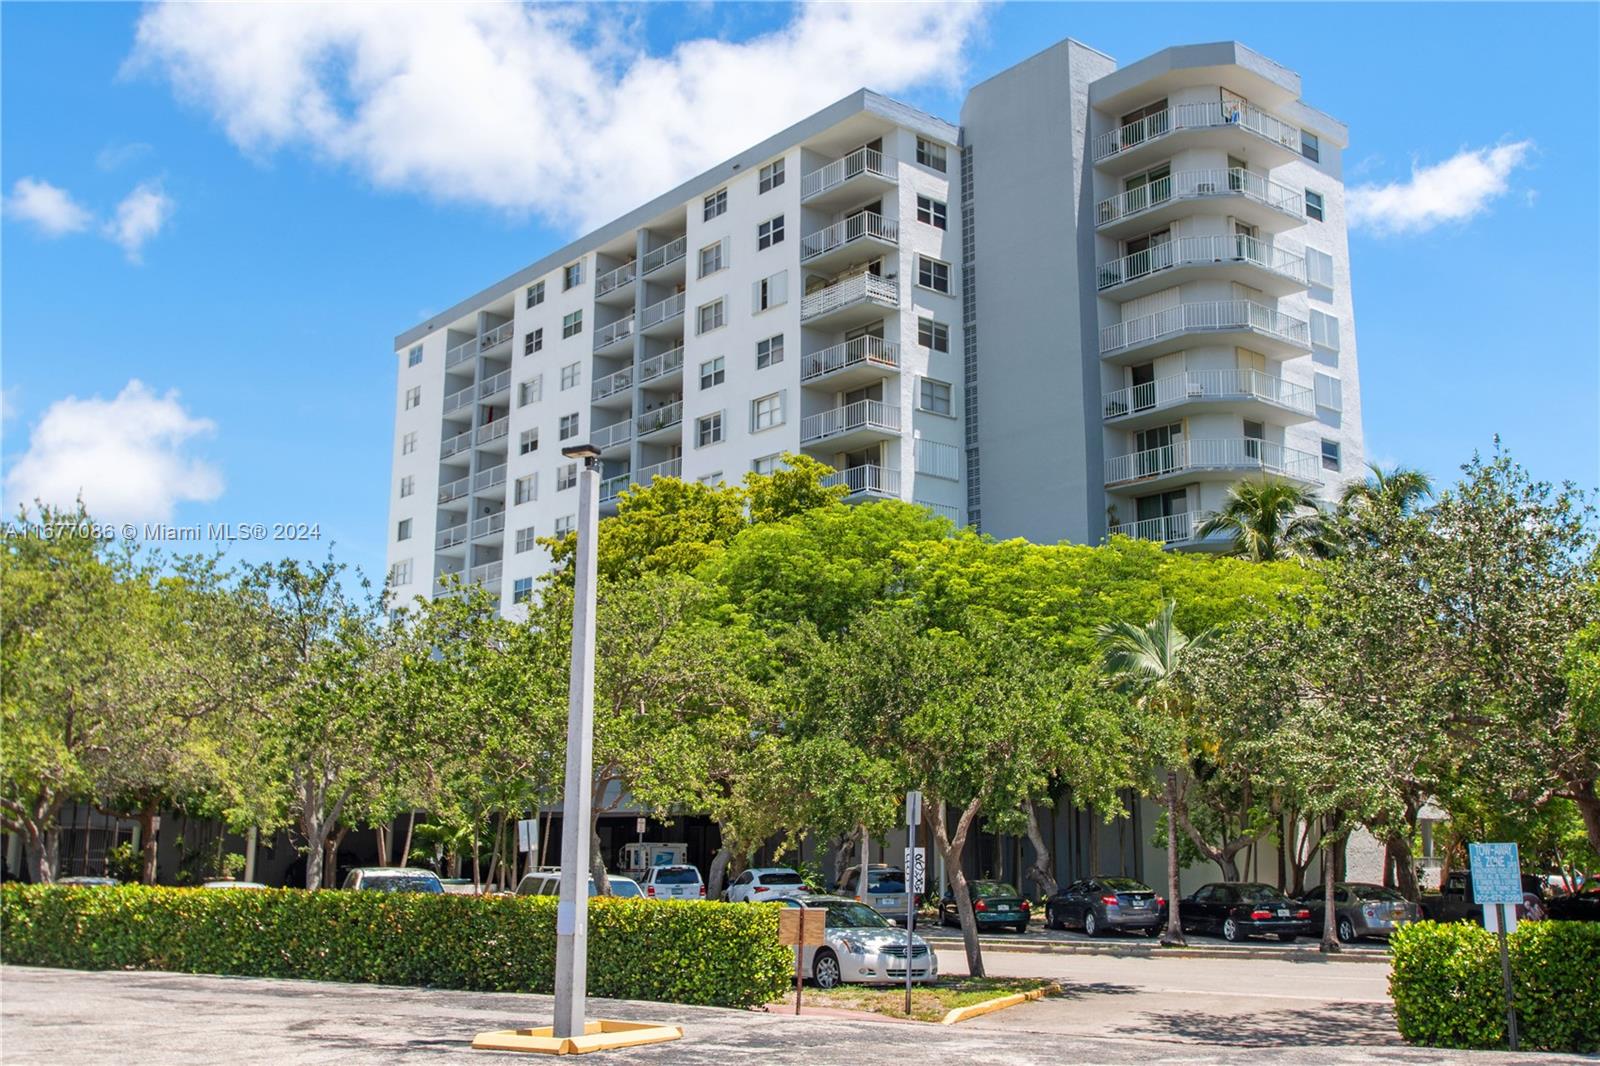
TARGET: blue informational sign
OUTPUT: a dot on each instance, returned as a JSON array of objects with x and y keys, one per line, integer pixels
[{"x": 1496, "y": 873}]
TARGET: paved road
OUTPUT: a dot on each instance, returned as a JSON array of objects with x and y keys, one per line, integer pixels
[
  {"x": 1037, "y": 935},
  {"x": 56, "y": 1016}
]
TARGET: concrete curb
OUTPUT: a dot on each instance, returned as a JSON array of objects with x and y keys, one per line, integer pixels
[
  {"x": 989, "y": 1006},
  {"x": 1055, "y": 947}
]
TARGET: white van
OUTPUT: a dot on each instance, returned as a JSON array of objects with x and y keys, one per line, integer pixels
[
  {"x": 638, "y": 858},
  {"x": 679, "y": 881}
]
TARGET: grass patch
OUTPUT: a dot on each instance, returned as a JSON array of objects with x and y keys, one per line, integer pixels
[{"x": 929, "y": 1002}]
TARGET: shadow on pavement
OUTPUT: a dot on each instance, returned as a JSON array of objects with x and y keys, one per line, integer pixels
[
  {"x": 1333, "y": 1024},
  {"x": 1082, "y": 990}
]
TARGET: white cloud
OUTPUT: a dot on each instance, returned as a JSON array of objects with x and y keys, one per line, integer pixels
[
  {"x": 48, "y": 207},
  {"x": 140, "y": 216},
  {"x": 127, "y": 457},
  {"x": 1452, "y": 191},
  {"x": 541, "y": 108},
  {"x": 117, "y": 155}
]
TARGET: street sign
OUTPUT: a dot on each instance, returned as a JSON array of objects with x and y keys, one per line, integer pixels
[
  {"x": 916, "y": 869},
  {"x": 802, "y": 926},
  {"x": 527, "y": 834},
  {"x": 1496, "y": 873},
  {"x": 913, "y": 808},
  {"x": 638, "y": 825}
]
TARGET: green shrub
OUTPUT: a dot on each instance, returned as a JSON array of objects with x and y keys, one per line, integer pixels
[
  {"x": 1447, "y": 987},
  {"x": 678, "y": 952}
]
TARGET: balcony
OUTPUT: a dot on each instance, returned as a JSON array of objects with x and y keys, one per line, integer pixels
[
  {"x": 614, "y": 283},
  {"x": 862, "y": 236},
  {"x": 866, "y": 481},
  {"x": 856, "y": 361},
  {"x": 454, "y": 490},
  {"x": 613, "y": 335},
  {"x": 1232, "y": 257},
  {"x": 501, "y": 382},
  {"x": 462, "y": 398},
  {"x": 1225, "y": 458},
  {"x": 1252, "y": 198},
  {"x": 670, "y": 468},
  {"x": 855, "y": 301},
  {"x": 492, "y": 432},
  {"x": 660, "y": 419},
  {"x": 655, "y": 318},
  {"x": 857, "y": 423},
  {"x": 612, "y": 487},
  {"x": 1168, "y": 529},
  {"x": 446, "y": 539},
  {"x": 663, "y": 257},
  {"x": 843, "y": 179},
  {"x": 488, "y": 525},
  {"x": 667, "y": 365},
  {"x": 460, "y": 353},
  {"x": 1240, "y": 127},
  {"x": 612, "y": 384},
  {"x": 493, "y": 477},
  {"x": 458, "y": 443},
  {"x": 487, "y": 574},
  {"x": 1246, "y": 392},
  {"x": 1223, "y": 322},
  {"x": 493, "y": 339},
  {"x": 616, "y": 435}
]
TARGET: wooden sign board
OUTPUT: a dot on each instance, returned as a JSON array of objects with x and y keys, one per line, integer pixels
[{"x": 802, "y": 927}]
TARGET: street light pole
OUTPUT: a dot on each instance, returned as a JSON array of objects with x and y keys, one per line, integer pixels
[{"x": 572, "y": 911}]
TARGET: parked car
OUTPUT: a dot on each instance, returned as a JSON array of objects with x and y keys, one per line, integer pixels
[
  {"x": 1237, "y": 911},
  {"x": 1454, "y": 903},
  {"x": 230, "y": 883},
  {"x": 88, "y": 882},
  {"x": 993, "y": 903},
  {"x": 886, "y": 889},
  {"x": 1580, "y": 906},
  {"x": 1361, "y": 909},
  {"x": 547, "y": 882},
  {"x": 861, "y": 946},
  {"x": 673, "y": 882},
  {"x": 392, "y": 879},
  {"x": 1100, "y": 905},
  {"x": 764, "y": 884}
]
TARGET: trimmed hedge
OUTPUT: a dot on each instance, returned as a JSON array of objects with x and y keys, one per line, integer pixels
[
  {"x": 1447, "y": 988},
  {"x": 716, "y": 954}
]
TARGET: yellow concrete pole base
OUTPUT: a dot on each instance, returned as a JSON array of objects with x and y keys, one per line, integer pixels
[{"x": 599, "y": 1035}]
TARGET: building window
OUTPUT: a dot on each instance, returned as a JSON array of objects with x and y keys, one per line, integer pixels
[
  {"x": 934, "y": 396},
  {"x": 414, "y": 356},
  {"x": 769, "y": 233},
  {"x": 1324, "y": 330},
  {"x": 708, "y": 430},
  {"x": 566, "y": 476},
  {"x": 711, "y": 316},
  {"x": 769, "y": 352},
  {"x": 569, "y": 426},
  {"x": 930, "y": 155},
  {"x": 712, "y": 372},
  {"x": 1314, "y": 205},
  {"x": 1328, "y": 392},
  {"x": 711, "y": 259},
  {"x": 530, "y": 391},
  {"x": 533, "y": 341},
  {"x": 569, "y": 375},
  {"x": 400, "y": 573},
  {"x": 572, "y": 325},
  {"x": 413, "y": 397},
  {"x": 766, "y": 412},
  {"x": 408, "y": 485},
  {"x": 535, "y": 294},
  {"x": 1319, "y": 268},
  {"x": 770, "y": 292},
  {"x": 716, "y": 204},
  {"x": 771, "y": 176},
  {"x": 564, "y": 525},
  {"x": 767, "y": 465},
  {"x": 931, "y": 211},
  {"x": 933, "y": 274},
  {"x": 1330, "y": 454},
  {"x": 528, "y": 442},
  {"x": 526, "y": 489},
  {"x": 525, "y": 539},
  {"x": 402, "y": 531},
  {"x": 572, "y": 276},
  {"x": 1310, "y": 147},
  {"x": 408, "y": 443},
  {"x": 711, "y": 480},
  {"x": 933, "y": 335},
  {"x": 522, "y": 590}
]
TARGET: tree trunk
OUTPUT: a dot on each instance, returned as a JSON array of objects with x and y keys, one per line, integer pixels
[
  {"x": 405, "y": 849},
  {"x": 597, "y": 864},
  {"x": 494, "y": 856},
  {"x": 1397, "y": 849},
  {"x": 1330, "y": 918},
  {"x": 330, "y": 872},
  {"x": 314, "y": 858},
  {"x": 1043, "y": 871},
  {"x": 148, "y": 828},
  {"x": 862, "y": 884},
  {"x": 842, "y": 858},
  {"x": 715, "y": 875},
  {"x": 1587, "y": 799},
  {"x": 384, "y": 833},
  {"x": 44, "y": 854},
  {"x": 951, "y": 848},
  {"x": 1174, "y": 934}
]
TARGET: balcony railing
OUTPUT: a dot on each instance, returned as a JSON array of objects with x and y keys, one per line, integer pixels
[
  {"x": 1195, "y": 251},
  {"x": 660, "y": 365},
  {"x": 856, "y": 227},
  {"x": 1227, "y": 453},
  {"x": 660, "y": 418},
  {"x": 1196, "y": 116},
  {"x": 1208, "y": 385},
  {"x": 1212, "y": 315},
  {"x": 831, "y": 176},
  {"x": 460, "y": 398},
  {"x": 490, "y": 478},
  {"x": 451, "y": 445},
  {"x": 488, "y": 524},
  {"x": 1198, "y": 184},
  {"x": 670, "y": 252},
  {"x": 662, "y": 310},
  {"x": 612, "y": 332},
  {"x": 487, "y": 574},
  {"x": 496, "y": 337},
  {"x": 858, "y": 289},
  {"x": 490, "y": 386},
  {"x": 860, "y": 351},
  {"x": 612, "y": 384},
  {"x": 670, "y": 468},
  {"x": 460, "y": 353},
  {"x": 449, "y": 538},
  {"x": 493, "y": 431},
  {"x": 871, "y": 479},
  {"x": 612, "y": 435},
  {"x": 1168, "y": 529},
  {"x": 454, "y": 490},
  {"x": 615, "y": 279},
  {"x": 863, "y": 414},
  {"x": 612, "y": 487}
]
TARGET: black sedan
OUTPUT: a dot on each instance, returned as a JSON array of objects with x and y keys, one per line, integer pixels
[
  {"x": 1580, "y": 906},
  {"x": 1240, "y": 910},
  {"x": 993, "y": 903},
  {"x": 1101, "y": 904}
]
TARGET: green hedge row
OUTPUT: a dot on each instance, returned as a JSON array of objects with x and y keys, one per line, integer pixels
[
  {"x": 676, "y": 952},
  {"x": 1447, "y": 987}
]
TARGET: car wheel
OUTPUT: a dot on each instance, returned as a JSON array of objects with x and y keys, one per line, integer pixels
[
  {"x": 1230, "y": 931},
  {"x": 1288, "y": 938},
  {"x": 1091, "y": 926},
  {"x": 1152, "y": 931},
  {"x": 944, "y": 918},
  {"x": 1022, "y": 927},
  {"x": 1050, "y": 918},
  {"x": 1347, "y": 930},
  {"x": 825, "y": 970}
]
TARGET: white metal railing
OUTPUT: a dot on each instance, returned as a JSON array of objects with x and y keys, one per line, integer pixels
[
  {"x": 612, "y": 383},
  {"x": 670, "y": 468},
  {"x": 847, "y": 293},
  {"x": 1226, "y": 453},
  {"x": 496, "y": 337},
  {"x": 612, "y": 332},
  {"x": 943, "y": 510},
  {"x": 460, "y": 398},
  {"x": 483, "y": 527},
  {"x": 488, "y": 479},
  {"x": 460, "y": 353},
  {"x": 1168, "y": 529},
  {"x": 661, "y": 417},
  {"x": 612, "y": 487},
  {"x": 1208, "y": 385},
  {"x": 487, "y": 574},
  {"x": 1192, "y": 251},
  {"x": 493, "y": 431},
  {"x": 615, "y": 279},
  {"x": 1206, "y": 316},
  {"x": 454, "y": 490},
  {"x": 854, "y": 352},
  {"x": 661, "y": 310},
  {"x": 499, "y": 383},
  {"x": 449, "y": 538},
  {"x": 871, "y": 479},
  {"x": 659, "y": 365},
  {"x": 614, "y": 434},
  {"x": 832, "y": 175},
  {"x": 1198, "y": 184},
  {"x": 856, "y": 227},
  {"x": 863, "y": 414},
  {"x": 451, "y": 445},
  {"x": 670, "y": 252},
  {"x": 1197, "y": 116}
]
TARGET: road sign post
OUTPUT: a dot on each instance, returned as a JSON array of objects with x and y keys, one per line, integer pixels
[
  {"x": 913, "y": 817},
  {"x": 1496, "y": 882}
]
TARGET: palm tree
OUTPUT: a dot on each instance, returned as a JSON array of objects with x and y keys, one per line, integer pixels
[
  {"x": 1271, "y": 519},
  {"x": 1399, "y": 491},
  {"x": 1153, "y": 660}
]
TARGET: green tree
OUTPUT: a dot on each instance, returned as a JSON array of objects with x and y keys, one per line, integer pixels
[{"x": 1270, "y": 518}]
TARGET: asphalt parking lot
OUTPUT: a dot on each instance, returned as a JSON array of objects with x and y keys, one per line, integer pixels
[{"x": 1038, "y": 936}]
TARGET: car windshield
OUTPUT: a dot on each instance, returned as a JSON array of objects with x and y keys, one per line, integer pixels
[
  {"x": 1260, "y": 894},
  {"x": 852, "y": 915},
  {"x": 391, "y": 883},
  {"x": 620, "y": 886},
  {"x": 677, "y": 875},
  {"x": 989, "y": 889},
  {"x": 1377, "y": 892},
  {"x": 782, "y": 878},
  {"x": 1124, "y": 884}
]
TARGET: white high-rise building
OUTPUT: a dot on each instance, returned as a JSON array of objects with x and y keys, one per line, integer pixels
[{"x": 1099, "y": 301}]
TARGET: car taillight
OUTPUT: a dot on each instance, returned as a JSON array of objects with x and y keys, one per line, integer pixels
[
  {"x": 1259, "y": 915},
  {"x": 1302, "y": 913},
  {"x": 980, "y": 906},
  {"x": 650, "y": 890},
  {"x": 761, "y": 888},
  {"x": 1109, "y": 900},
  {"x": 1026, "y": 904},
  {"x": 1161, "y": 901},
  {"x": 703, "y": 891}
]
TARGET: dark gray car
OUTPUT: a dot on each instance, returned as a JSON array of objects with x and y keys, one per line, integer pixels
[{"x": 1101, "y": 904}]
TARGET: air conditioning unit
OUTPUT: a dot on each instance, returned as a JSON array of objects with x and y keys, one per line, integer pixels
[{"x": 1205, "y": 188}]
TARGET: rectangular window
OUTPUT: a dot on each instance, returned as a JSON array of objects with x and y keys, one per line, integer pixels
[
  {"x": 1319, "y": 268},
  {"x": 1324, "y": 330},
  {"x": 572, "y": 276},
  {"x": 402, "y": 531},
  {"x": 572, "y": 325},
  {"x": 769, "y": 352},
  {"x": 408, "y": 485},
  {"x": 711, "y": 316},
  {"x": 716, "y": 204},
  {"x": 934, "y": 396},
  {"x": 1330, "y": 393},
  {"x": 414, "y": 356},
  {"x": 930, "y": 155},
  {"x": 933, "y": 274},
  {"x": 708, "y": 430},
  {"x": 766, "y": 412},
  {"x": 933, "y": 335},
  {"x": 1330, "y": 454},
  {"x": 569, "y": 375},
  {"x": 522, "y": 590},
  {"x": 712, "y": 372},
  {"x": 408, "y": 443},
  {"x": 712, "y": 479},
  {"x": 766, "y": 465},
  {"x": 400, "y": 573},
  {"x": 564, "y": 525},
  {"x": 770, "y": 292},
  {"x": 536, "y": 294},
  {"x": 769, "y": 233},
  {"x": 533, "y": 341},
  {"x": 1310, "y": 147},
  {"x": 528, "y": 442},
  {"x": 413, "y": 397},
  {"x": 711, "y": 259},
  {"x": 938, "y": 460},
  {"x": 530, "y": 391},
  {"x": 1314, "y": 205},
  {"x": 526, "y": 489},
  {"x": 526, "y": 539},
  {"x": 771, "y": 176},
  {"x": 566, "y": 476},
  {"x": 569, "y": 426},
  {"x": 931, "y": 211}
]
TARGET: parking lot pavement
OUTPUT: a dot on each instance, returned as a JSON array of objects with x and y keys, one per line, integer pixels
[
  {"x": 1038, "y": 937},
  {"x": 53, "y": 1016}
]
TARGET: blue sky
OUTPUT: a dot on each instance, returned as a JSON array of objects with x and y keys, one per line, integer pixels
[{"x": 188, "y": 223}]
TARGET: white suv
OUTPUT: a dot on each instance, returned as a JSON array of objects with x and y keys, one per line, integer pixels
[
  {"x": 764, "y": 884},
  {"x": 673, "y": 882}
]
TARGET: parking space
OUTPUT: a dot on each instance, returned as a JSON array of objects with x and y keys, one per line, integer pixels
[{"x": 1038, "y": 935}]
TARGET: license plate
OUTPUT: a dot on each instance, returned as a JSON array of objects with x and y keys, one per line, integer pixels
[
  {"x": 1002, "y": 906},
  {"x": 891, "y": 901},
  {"x": 1139, "y": 904},
  {"x": 1283, "y": 914}
]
